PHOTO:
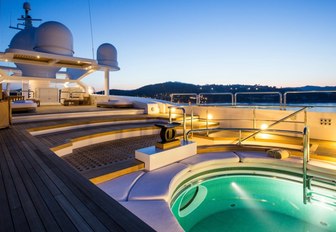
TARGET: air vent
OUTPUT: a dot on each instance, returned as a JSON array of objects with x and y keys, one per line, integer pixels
[{"x": 325, "y": 121}]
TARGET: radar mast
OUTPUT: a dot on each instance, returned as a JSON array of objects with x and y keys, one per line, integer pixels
[{"x": 27, "y": 19}]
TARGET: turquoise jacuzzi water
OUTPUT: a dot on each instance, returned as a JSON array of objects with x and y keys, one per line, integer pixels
[{"x": 251, "y": 203}]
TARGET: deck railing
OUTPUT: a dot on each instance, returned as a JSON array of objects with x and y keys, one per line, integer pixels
[
  {"x": 257, "y": 93},
  {"x": 282, "y": 96},
  {"x": 277, "y": 122}
]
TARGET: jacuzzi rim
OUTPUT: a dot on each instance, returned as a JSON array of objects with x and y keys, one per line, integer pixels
[{"x": 200, "y": 177}]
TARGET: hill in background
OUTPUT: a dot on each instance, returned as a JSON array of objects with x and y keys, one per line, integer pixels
[{"x": 163, "y": 91}]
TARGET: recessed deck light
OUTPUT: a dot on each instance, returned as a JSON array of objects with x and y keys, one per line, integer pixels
[{"x": 263, "y": 126}]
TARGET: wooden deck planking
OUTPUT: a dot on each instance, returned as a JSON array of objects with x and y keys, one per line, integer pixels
[
  {"x": 16, "y": 210},
  {"x": 5, "y": 213},
  {"x": 82, "y": 217},
  {"x": 95, "y": 199},
  {"x": 42, "y": 192},
  {"x": 80, "y": 190},
  {"x": 33, "y": 195},
  {"x": 46, "y": 194}
]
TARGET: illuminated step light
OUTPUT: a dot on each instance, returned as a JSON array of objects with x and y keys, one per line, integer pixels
[{"x": 263, "y": 126}]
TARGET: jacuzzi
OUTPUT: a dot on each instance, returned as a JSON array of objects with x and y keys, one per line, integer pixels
[{"x": 232, "y": 190}]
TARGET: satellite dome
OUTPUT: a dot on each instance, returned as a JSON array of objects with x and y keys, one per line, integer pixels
[
  {"x": 24, "y": 39},
  {"x": 54, "y": 37},
  {"x": 107, "y": 55}
]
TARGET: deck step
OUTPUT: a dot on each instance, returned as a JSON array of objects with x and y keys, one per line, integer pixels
[{"x": 45, "y": 117}]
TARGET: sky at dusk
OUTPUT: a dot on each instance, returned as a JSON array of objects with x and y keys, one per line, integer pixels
[{"x": 269, "y": 42}]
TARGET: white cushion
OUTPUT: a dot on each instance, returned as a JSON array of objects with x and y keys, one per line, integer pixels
[
  {"x": 262, "y": 157},
  {"x": 156, "y": 214},
  {"x": 119, "y": 188},
  {"x": 211, "y": 158},
  {"x": 155, "y": 185},
  {"x": 322, "y": 166}
]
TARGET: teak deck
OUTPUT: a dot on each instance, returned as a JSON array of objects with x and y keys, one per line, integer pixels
[{"x": 41, "y": 192}]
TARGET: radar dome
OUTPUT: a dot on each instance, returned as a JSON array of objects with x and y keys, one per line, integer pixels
[
  {"x": 54, "y": 37},
  {"x": 107, "y": 55},
  {"x": 24, "y": 39}
]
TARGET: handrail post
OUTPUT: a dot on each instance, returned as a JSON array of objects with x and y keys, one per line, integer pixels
[
  {"x": 184, "y": 124},
  {"x": 305, "y": 117},
  {"x": 306, "y": 151},
  {"x": 254, "y": 118},
  {"x": 285, "y": 101},
  {"x": 191, "y": 122},
  {"x": 207, "y": 122},
  {"x": 170, "y": 115},
  {"x": 240, "y": 137},
  {"x": 184, "y": 119},
  {"x": 232, "y": 99},
  {"x": 198, "y": 99}
]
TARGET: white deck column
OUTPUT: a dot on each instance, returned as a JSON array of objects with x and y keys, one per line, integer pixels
[{"x": 107, "y": 82}]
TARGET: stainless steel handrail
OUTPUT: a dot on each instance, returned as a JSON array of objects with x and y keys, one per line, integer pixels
[
  {"x": 183, "y": 94},
  {"x": 282, "y": 97},
  {"x": 225, "y": 93},
  {"x": 256, "y": 93},
  {"x": 275, "y": 123},
  {"x": 306, "y": 179},
  {"x": 184, "y": 124},
  {"x": 239, "y": 130},
  {"x": 311, "y": 91}
]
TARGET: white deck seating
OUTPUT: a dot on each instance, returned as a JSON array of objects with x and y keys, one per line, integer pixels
[
  {"x": 147, "y": 194},
  {"x": 119, "y": 103},
  {"x": 119, "y": 188},
  {"x": 155, "y": 185},
  {"x": 321, "y": 168},
  {"x": 23, "y": 105},
  {"x": 155, "y": 213},
  {"x": 263, "y": 157},
  {"x": 209, "y": 159}
]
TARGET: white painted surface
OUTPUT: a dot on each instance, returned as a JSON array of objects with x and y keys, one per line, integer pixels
[
  {"x": 156, "y": 158},
  {"x": 105, "y": 138},
  {"x": 158, "y": 184},
  {"x": 211, "y": 158},
  {"x": 157, "y": 214},
  {"x": 149, "y": 195},
  {"x": 119, "y": 188}
]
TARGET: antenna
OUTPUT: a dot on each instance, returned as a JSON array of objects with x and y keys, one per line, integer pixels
[
  {"x": 28, "y": 20},
  {"x": 92, "y": 46}
]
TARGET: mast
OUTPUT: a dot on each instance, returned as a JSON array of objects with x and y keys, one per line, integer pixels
[{"x": 27, "y": 19}]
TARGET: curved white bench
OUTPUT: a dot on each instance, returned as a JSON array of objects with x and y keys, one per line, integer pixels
[
  {"x": 157, "y": 214},
  {"x": 24, "y": 105},
  {"x": 119, "y": 188},
  {"x": 208, "y": 159},
  {"x": 147, "y": 194},
  {"x": 156, "y": 185},
  {"x": 321, "y": 169},
  {"x": 262, "y": 157}
]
